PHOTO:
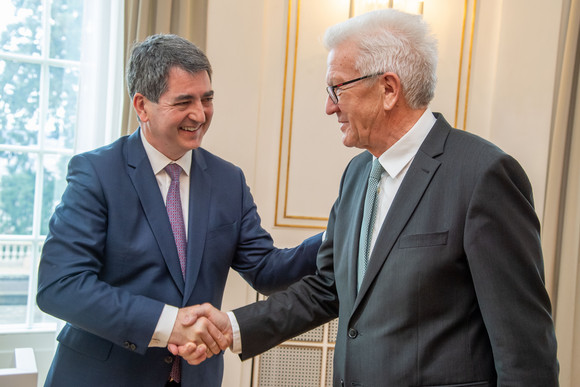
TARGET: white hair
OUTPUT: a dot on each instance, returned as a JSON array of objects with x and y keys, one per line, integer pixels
[{"x": 392, "y": 41}]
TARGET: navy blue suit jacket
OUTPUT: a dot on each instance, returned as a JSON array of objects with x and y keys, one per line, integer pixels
[{"x": 109, "y": 263}]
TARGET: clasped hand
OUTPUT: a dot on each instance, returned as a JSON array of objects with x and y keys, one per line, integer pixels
[{"x": 200, "y": 332}]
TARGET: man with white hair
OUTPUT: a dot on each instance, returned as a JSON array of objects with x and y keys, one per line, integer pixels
[{"x": 432, "y": 259}]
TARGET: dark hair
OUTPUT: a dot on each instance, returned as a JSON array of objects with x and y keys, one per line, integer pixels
[{"x": 151, "y": 60}]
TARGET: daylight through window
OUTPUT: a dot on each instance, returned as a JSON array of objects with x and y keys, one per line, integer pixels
[{"x": 40, "y": 44}]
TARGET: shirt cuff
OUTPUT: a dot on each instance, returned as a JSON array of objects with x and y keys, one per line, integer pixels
[
  {"x": 236, "y": 346},
  {"x": 164, "y": 327}
]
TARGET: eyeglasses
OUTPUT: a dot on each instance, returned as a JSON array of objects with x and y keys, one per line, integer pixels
[{"x": 331, "y": 90}]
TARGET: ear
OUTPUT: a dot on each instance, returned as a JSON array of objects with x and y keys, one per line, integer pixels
[
  {"x": 392, "y": 90},
  {"x": 140, "y": 105}
]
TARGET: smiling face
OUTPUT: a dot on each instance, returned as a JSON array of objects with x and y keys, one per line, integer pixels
[
  {"x": 181, "y": 117},
  {"x": 365, "y": 109},
  {"x": 360, "y": 108}
]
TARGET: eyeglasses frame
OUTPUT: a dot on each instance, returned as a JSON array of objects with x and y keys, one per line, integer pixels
[{"x": 331, "y": 90}]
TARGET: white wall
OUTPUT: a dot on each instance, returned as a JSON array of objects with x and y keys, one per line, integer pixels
[{"x": 524, "y": 82}]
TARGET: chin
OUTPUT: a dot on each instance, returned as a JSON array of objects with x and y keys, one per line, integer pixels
[
  {"x": 195, "y": 141},
  {"x": 347, "y": 142},
  {"x": 195, "y": 145}
]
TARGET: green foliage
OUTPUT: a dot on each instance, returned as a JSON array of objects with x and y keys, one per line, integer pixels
[
  {"x": 66, "y": 31},
  {"x": 17, "y": 203},
  {"x": 20, "y": 108}
]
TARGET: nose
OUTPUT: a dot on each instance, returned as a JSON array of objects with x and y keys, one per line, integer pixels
[
  {"x": 197, "y": 112},
  {"x": 331, "y": 107}
]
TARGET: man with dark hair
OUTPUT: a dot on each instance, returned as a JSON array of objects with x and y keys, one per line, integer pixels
[{"x": 148, "y": 226}]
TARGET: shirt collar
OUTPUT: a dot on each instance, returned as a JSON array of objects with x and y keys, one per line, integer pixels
[
  {"x": 403, "y": 151},
  {"x": 159, "y": 161}
]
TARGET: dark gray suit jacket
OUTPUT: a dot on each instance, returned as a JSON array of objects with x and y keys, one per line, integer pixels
[{"x": 454, "y": 293}]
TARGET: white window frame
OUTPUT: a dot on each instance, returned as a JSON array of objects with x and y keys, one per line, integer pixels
[{"x": 100, "y": 106}]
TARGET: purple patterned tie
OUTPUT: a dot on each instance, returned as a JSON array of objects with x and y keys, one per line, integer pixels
[
  {"x": 176, "y": 214},
  {"x": 173, "y": 204}
]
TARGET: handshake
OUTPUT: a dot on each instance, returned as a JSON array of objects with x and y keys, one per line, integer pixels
[{"x": 200, "y": 331}]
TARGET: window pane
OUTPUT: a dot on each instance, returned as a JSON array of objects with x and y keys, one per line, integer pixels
[
  {"x": 38, "y": 315},
  {"x": 17, "y": 178},
  {"x": 41, "y": 317},
  {"x": 65, "y": 29},
  {"x": 19, "y": 93},
  {"x": 15, "y": 261},
  {"x": 21, "y": 26},
  {"x": 61, "y": 120},
  {"x": 55, "y": 167}
]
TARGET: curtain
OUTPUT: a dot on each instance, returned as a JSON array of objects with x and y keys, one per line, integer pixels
[
  {"x": 101, "y": 74},
  {"x": 187, "y": 18},
  {"x": 561, "y": 225}
]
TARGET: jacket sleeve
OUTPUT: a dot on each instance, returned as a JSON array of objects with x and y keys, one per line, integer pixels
[
  {"x": 71, "y": 266},
  {"x": 305, "y": 305},
  {"x": 265, "y": 267},
  {"x": 502, "y": 243}
]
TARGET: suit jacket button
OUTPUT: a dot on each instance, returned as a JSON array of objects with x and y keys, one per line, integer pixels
[
  {"x": 168, "y": 359},
  {"x": 129, "y": 346},
  {"x": 352, "y": 333}
]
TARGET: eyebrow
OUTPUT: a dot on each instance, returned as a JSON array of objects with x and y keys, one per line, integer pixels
[{"x": 184, "y": 97}]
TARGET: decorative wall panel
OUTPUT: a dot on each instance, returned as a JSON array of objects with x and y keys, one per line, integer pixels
[{"x": 311, "y": 154}]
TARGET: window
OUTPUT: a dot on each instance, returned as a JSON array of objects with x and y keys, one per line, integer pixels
[{"x": 40, "y": 53}]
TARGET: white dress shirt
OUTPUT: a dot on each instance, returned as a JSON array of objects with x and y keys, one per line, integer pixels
[
  {"x": 158, "y": 162},
  {"x": 396, "y": 161}
]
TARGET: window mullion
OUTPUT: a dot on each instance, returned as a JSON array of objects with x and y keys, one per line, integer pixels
[
  {"x": 39, "y": 186},
  {"x": 38, "y": 60},
  {"x": 42, "y": 119}
]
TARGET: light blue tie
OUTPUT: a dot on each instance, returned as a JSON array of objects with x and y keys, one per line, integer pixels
[{"x": 369, "y": 217}]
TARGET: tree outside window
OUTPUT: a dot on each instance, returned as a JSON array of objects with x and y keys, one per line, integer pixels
[{"x": 40, "y": 43}]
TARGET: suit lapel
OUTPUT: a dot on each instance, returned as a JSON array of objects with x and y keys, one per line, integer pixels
[
  {"x": 410, "y": 192},
  {"x": 199, "y": 204},
  {"x": 141, "y": 174}
]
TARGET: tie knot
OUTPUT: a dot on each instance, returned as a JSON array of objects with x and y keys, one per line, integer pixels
[
  {"x": 377, "y": 170},
  {"x": 173, "y": 170}
]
